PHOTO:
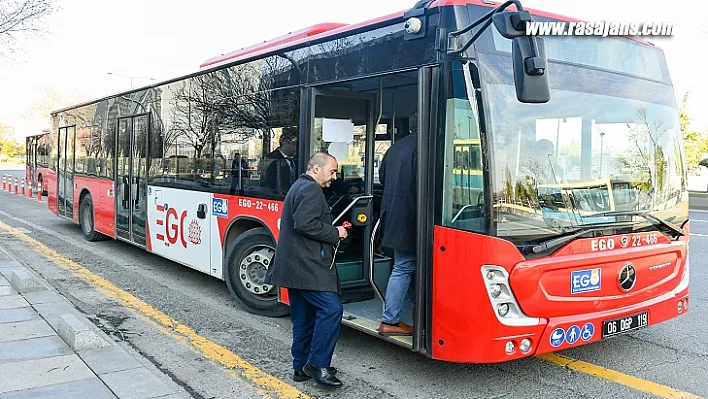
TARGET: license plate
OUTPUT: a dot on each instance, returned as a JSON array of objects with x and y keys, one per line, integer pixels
[{"x": 623, "y": 324}]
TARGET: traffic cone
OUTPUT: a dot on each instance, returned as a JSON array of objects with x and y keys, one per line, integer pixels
[
  {"x": 22, "y": 184},
  {"x": 39, "y": 192},
  {"x": 17, "y": 186},
  {"x": 4, "y": 182},
  {"x": 29, "y": 190}
]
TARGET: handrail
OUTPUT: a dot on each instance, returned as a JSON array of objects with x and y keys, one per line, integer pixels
[
  {"x": 354, "y": 201},
  {"x": 371, "y": 266}
]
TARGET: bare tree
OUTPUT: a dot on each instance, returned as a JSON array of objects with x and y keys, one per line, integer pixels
[{"x": 21, "y": 17}]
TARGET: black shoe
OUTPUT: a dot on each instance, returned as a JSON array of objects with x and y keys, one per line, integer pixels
[
  {"x": 322, "y": 375},
  {"x": 299, "y": 376}
]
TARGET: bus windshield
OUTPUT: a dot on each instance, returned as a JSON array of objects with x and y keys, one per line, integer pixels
[
  {"x": 615, "y": 145},
  {"x": 607, "y": 141}
]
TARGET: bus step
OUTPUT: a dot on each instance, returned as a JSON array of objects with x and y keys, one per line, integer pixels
[{"x": 370, "y": 327}]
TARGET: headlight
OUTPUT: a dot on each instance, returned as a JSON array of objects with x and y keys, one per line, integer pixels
[{"x": 503, "y": 309}]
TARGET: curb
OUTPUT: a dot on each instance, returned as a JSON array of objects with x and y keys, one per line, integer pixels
[{"x": 118, "y": 372}]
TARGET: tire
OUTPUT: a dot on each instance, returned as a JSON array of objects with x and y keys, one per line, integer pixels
[
  {"x": 86, "y": 219},
  {"x": 247, "y": 260}
]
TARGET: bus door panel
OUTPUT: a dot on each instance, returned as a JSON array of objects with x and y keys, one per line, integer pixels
[
  {"x": 131, "y": 182},
  {"x": 65, "y": 180},
  {"x": 179, "y": 224},
  {"x": 342, "y": 124}
]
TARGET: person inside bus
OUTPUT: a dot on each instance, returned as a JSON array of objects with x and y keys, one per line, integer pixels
[
  {"x": 398, "y": 175},
  {"x": 304, "y": 264},
  {"x": 541, "y": 164},
  {"x": 281, "y": 163},
  {"x": 239, "y": 173}
]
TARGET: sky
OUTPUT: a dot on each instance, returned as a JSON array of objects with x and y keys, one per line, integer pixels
[{"x": 160, "y": 39}]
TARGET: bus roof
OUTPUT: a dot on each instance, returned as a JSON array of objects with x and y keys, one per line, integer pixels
[
  {"x": 44, "y": 131},
  {"x": 315, "y": 33},
  {"x": 324, "y": 30}
]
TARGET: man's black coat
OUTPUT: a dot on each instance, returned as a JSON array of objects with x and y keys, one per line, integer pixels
[
  {"x": 277, "y": 174},
  {"x": 398, "y": 174},
  {"x": 306, "y": 242}
]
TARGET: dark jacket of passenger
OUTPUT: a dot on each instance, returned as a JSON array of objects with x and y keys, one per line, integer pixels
[
  {"x": 398, "y": 174},
  {"x": 305, "y": 249}
]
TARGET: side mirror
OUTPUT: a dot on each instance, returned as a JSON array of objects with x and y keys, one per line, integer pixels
[
  {"x": 528, "y": 55},
  {"x": 530, "y": 70},
  {"x": 704, "y": 162}
]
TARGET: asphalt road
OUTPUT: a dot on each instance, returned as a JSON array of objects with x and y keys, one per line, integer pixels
[{"x": 672, "y": 354}]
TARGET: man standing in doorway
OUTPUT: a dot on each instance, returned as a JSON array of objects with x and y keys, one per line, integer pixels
[
  {"x": 304, "y": 264},
  {"x": 281, "y": 164},
  {"x": 398, "y": 174}
]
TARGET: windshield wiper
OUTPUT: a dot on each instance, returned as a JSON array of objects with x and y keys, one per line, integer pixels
[
  {"x": 557, "y": 242},
  {"x": 678, "y": 232}
]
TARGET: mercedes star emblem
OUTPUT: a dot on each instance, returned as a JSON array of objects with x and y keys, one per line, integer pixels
[{"x": 627, "y": 277}]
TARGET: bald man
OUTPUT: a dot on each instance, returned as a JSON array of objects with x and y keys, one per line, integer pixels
[{"x": 304, "y": 264}]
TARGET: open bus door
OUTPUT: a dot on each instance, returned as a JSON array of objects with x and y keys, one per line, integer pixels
[{"x": 344, "y": 124}]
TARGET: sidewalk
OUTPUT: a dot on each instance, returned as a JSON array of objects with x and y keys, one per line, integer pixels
[{"x": 48, "y": 349}]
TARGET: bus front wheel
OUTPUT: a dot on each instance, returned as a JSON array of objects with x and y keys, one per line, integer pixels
[{"x": 247, "y": 261}]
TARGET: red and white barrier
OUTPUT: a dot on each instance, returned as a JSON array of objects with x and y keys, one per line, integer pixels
[
  {"x": 39, "y": 191},
  {"x": 17, "y": 186},
  {"x": 4, "y": 182},
  {"x": 22, "y": 185}
]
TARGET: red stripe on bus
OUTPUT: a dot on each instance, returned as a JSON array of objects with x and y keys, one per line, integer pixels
[
  {"x": 160, "y": 208},
  {"x": 160, "y": 222},
  {"x": 160, "y": 237}
]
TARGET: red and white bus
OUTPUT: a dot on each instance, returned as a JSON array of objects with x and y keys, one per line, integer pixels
[
  {"x": 37, "y": 149},
  {"x": 189, "y": 169}
]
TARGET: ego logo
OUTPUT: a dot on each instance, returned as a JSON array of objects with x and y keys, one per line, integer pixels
[{"x": 175, "y": 226}]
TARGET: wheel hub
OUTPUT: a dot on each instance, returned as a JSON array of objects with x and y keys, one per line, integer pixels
[{"x": 253, "y": 268}]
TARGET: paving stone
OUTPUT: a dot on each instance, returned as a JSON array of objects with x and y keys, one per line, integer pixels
[
  {"x": 7, "y": 271},
  {"x": 7, "y": 290},
  {"x": 42, "y": 372},
  {"x": 23, "y": 282},
  {"x": 41, "y": 297},
  {"x": 92, "y": 389},
  {"x": 15, "y": 315},
  {"x": 4, "y": 264},
  {"x": 34, "y": 348},
  {"x": 25, "y": 330},
  {"x": 136, "y": 384},
  {"x": 77, "y": 334},
  {"x": 109, "y": 360},
  {"x": 3, "y": 281},
  {"x": 12, "y": 302}
]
